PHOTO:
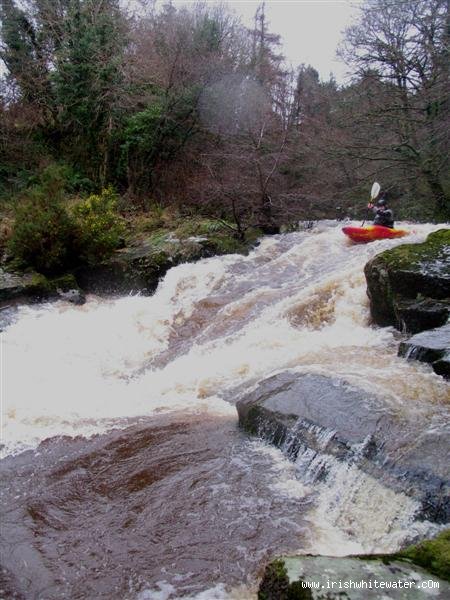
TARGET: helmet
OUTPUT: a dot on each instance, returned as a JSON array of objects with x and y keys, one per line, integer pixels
[{"x": 382, "y": 201}]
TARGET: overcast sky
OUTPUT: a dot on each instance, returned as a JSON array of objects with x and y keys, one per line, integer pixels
[{"x": 310, "y": 29}]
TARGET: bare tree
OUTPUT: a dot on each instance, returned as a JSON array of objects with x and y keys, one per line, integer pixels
[{"x": 399, "y": 50}]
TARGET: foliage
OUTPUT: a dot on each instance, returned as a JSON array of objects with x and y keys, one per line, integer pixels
[
  {"x": 433, "y": 555},
  {"x": 399, "y": 51},
  {"x": 275, "y": 582},
  {"x": 154, "y": 136},
  {"x": 74, "y": 180},
  {"x": 55, "y": 176},
  {"x": 50, "y": 238},
  {"x": 43, "y": 232},
  {"x": 99, "y": 228},
  {"x": 86, "y": 81},
  {"x": 191, "y": 109}
]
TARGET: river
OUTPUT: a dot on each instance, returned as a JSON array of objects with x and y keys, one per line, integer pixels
[{"x": 125, "y": 473}]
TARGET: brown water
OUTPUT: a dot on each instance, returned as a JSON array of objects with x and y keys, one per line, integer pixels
[
  {"x": 159, "y": 495},
  {"x": 184, "y": 501}
]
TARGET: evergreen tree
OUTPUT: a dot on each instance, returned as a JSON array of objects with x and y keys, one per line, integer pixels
[{"x": 87, "y": 81}]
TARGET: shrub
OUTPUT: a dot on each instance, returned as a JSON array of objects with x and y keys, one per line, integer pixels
[
  {"x": 43, "y": 232},
  {"x": 50, "y": 238},
  {"x": 99, "y": 227}
]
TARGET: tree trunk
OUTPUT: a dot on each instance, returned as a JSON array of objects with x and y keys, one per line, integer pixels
[{"x": 442, "y": 202}]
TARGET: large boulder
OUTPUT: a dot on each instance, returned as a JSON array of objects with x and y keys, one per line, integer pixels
[
  {"x": 409, "y": 286},
  {"x": 430, "y": 346},
  {"x": 313, "y": 416}
]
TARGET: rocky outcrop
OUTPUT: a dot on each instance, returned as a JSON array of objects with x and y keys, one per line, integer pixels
[
  {"x": 351, "y": 577},
  {"x": 409, "y": 286},
  {"x": 300, "y": 577},
  {"x": 430, "y": 346},
  {"x": 134, "y": 268},
  {"x": 15, "y": 287},
  {"x": 310, "y": 416},
  {"x": 139, "y": 266}
]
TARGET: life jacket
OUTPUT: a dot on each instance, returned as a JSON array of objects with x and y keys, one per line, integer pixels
[{"x": 384, "y": 217}]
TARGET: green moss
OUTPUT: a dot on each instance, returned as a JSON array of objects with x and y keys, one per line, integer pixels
[
  {"x": 42, "y": 287},
  {"x": 158, "y": 238},
  {"x": 219, "y": 236},
  {"x": 39, "y": 285},
  {"x": 159, "y": 260},
  {"x": 64, "y": 283},
  {"x": 226, "y": 244},
  {"x": 148, "y": 222},
  {"x": 252, "y": 235},
  {"x": 433, "y": 555},
  {"x": 413, "y": 256}
]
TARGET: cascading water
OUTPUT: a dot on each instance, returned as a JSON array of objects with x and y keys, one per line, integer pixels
[{"x": 172, "y": 500}]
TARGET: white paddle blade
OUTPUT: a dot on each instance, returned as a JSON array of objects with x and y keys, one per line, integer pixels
[{"x": 375, "y": 190}]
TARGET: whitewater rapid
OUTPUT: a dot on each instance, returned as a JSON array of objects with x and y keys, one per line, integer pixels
[
  {"x": 298, "y": 301},
  {"x": 172, "y": 500}
]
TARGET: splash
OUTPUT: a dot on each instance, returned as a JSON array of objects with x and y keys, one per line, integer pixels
[{"x": 297, "y": 301}]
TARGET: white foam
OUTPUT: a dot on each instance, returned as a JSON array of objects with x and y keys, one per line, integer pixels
[{"x": 74, "y": 370}]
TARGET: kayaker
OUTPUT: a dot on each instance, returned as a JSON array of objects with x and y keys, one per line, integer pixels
[{"x": 383, "y": 214}]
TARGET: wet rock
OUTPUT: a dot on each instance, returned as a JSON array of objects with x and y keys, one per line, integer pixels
[
  {"x": 430, "y": 346},
  {"x": 16, "y": 287},
  {"x": 442, "y": 366},
  {"x": 419, "y": 315},
  {"x": 409, "y": 286},
  {"x": 313, "y": 417},
  {"x": 139, "y": 266},
  {"x": 128, "y": 270},
  {"x": 75, "y": 296},
  {"x": 355, "y": 578},
  {"x": 13, "y": 285}
]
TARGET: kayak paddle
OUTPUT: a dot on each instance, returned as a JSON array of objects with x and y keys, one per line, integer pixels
[{"x": 373, "y": 194}]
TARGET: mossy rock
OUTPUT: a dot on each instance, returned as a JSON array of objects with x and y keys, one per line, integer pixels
[
  {"x": 139, "y": 266},
  {"x": 433, "y": 555},
  {"x": 34, "y": 286},
  {"x": 320, "y": 577},
  {"x": 409, "y": 286},
  {"x": 64, "y": 283},
  {"x": 39, "y": 286}
]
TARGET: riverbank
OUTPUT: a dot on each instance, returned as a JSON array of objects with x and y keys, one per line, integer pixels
[{"x": 152, "y": 243}]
